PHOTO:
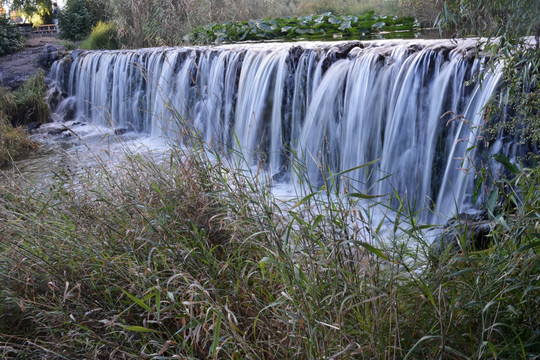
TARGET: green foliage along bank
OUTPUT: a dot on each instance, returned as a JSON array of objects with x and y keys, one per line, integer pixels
[
  {"x": 321, "y": 26},
  {"x": 26, "y": 104},
  {"x": 512, "y": 41},
  {"x": 14, "y": 141}
]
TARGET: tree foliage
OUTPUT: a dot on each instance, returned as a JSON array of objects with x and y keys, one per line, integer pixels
[
  {"x": 507, "y": 18},
  {"x": 30, "y": 8},
  {"x": 75, "y": 20}
]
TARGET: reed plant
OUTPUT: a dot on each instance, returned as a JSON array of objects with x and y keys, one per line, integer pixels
[{"x": 192, "y": 256}]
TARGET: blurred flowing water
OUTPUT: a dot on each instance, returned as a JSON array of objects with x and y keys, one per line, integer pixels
[{"x": 330, "y": 106}]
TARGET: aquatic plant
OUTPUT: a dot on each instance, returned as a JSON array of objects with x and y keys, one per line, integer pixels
[{"x": 306, "y": 27}]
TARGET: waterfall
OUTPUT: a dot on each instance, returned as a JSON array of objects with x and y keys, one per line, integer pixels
[{"x": 333, "y": 106}]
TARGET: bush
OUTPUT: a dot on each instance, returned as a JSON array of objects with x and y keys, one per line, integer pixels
[
  {"x": 11, "y": 38},
  {"x": 103, "y": 36},
  {"x": 76, "y": 20}
]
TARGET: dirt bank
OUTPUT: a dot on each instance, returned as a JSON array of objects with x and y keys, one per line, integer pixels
[{"x": 38, "y": 52}]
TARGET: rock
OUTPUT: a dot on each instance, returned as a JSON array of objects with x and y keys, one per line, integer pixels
[
  {"x": 475, "y": 228},
  {"x": 66, "y": 109},
  {"x": 120, "y": 131},
  {"x": 50, "y": 54},
  {"x": 17, "y": 67},
  {"x": 338, "y": 52},
  {"x": 33, "y": 126},
  {"x": 53, "y": 96},
  {"x": 282, "y": 175},
  {"x": 75, "y": 53},
  {"x": 57, "y": 131}
]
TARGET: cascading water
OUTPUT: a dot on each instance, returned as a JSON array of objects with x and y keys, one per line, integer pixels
[{"x": 333, "y": 105}]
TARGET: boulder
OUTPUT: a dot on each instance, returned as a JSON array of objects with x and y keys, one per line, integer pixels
[
  {"x": 120, "y": 131},
  {"x": 469, "y": 230},
  {"x": 282, "y": 175},
  {"x": 50, "y": 54},
  {"x": 57, "y": 131}
]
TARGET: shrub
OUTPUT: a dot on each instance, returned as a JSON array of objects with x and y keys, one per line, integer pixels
[
  {"x": 76, "y": 20},
  {"x": 103, "y": 36},
  {"x": 11, "y": 38}
]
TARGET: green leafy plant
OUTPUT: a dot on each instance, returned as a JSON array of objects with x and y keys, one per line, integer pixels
[
  {"x": 11, "y": 39},
  {"x": 103, "y": 36}
]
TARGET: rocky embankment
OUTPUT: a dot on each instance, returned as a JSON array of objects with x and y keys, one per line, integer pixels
[{"x": 38, "y": 53}]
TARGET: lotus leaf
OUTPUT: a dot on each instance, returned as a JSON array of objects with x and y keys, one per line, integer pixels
[
  {"x": 345, "y": 25},
  {"x": 312, "y": 27},
  {"x": 334, "y": 20}
]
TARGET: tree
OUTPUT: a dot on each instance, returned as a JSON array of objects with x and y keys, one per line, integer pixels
[
  {"x": 32, "y": 8},
  {"x": 75, "y": 20}
]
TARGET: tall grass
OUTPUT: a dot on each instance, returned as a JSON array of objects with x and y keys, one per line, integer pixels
[
  {"x": 193, "y": 257},
  {"x": 22, "y": 106}
]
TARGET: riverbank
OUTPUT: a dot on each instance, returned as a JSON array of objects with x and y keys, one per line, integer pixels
[
  {"x": 22, "y": 94},
  {"x": 38, "y": 53}
]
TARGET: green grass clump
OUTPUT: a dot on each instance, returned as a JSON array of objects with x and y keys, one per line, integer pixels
[
  {"x": 26, "y": 104},
  {"x": 69, "y": 45},
  {"x": 193, "y": 257},
  {"x": 103, "y": 36},
  {"x": 14, "y": 142}
]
